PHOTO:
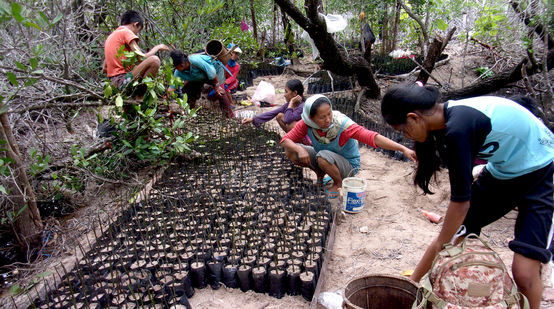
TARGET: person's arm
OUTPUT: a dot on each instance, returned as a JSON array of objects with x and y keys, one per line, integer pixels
[
  {"x": 297, "y": 134},
  {"x": 267, "y": 116},
  {"x": 375, "y": 140},
  {"x": 134, "y": 47},
  {"x": 156, "y": 48},
  {"x": 302, "y": 155},
  {"x": 383, "y": 142},
  {"x": 294, "y": 110},
  {"x": 455, "y": 215}
]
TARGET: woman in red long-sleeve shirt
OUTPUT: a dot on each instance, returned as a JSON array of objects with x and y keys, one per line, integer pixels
[{"x": 334, "y": 150}]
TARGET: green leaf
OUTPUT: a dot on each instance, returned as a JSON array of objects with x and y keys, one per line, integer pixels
[
  {"x": 56, "y": 20},
  {"x": 3, "y": 190},
  {"x": 108, "y": 91},
  {"x": 16, "y": 11},
  {"x": 38, "y": 72},
  {"x": 42, "y": 20},
  {"x": 441, "y": 24},
  {"x": 29, "y": 23},
  {"x": 22, "y": 209},
  {"x": 119, "y": 101},
  {"x": 20, "y": 65},
  {"x": 34, "y": 62},
  {"x": 12, "y": 78},
  {"x": 15, "y": 289}
]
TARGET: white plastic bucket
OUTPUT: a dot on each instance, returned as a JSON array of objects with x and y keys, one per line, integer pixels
[{"x": 354, "y": 191}]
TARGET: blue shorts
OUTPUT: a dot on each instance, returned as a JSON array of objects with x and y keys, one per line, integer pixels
[{"x": 493, "y": 198}]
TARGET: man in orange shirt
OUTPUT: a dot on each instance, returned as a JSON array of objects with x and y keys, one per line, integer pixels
[{"x": 126, "y": 35}]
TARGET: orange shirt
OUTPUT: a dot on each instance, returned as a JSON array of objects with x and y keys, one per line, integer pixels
[{"x": 121, "y": 36}]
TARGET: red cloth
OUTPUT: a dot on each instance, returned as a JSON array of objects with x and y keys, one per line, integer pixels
[
  {"x": 121, "y": 36},
  {"x": 232, "y": 79},
  {"x": 354, "y": 131}
]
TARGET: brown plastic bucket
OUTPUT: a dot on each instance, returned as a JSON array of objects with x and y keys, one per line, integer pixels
[
  {"x": 380, "y": 292},
  {"x": 215, "y": 48}
]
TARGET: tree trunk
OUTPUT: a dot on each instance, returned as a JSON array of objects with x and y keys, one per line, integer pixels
[
  {"x": 384, "y": 32},
  {"x": 28, "y": 224},
  {"x": 254, "y": 24},
  {"x": 435, "y": 50},
  {"x": 398, "y": 9},
  {"x": 334, "y": 60},
  {"x": 289, "y": 36},
  {"x": 273, "y": 32}
]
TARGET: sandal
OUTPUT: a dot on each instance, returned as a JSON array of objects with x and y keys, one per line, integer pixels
[
  {"x": 331, "y": 195},
  {"x": 326, "y": 180}
]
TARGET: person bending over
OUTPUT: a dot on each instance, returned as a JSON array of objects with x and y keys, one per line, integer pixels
[
  {"x": 195, "y": 71},
  {"x": 519, "y": 150},
  {"x": 334, "y": 149}
]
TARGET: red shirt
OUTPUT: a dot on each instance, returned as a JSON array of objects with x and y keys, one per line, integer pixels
[
  {"x": 122, "y": 36},
  {"x": 354, "y": 131},
  {"x": 232, "y": 78}
]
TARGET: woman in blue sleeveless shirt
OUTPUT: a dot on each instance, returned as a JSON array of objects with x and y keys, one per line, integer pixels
[
  {"x": 519, "y": 150},
  {"x": 334, "y": 149}
]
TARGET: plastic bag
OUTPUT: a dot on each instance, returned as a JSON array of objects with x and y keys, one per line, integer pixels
[
  {"x": 330, "y": 300},
  {"x": 265, "y": 92},
  {"x": 335, "y": 23}
]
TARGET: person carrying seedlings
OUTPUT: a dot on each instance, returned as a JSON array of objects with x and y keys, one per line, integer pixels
[
  {"x": 519, "y": 150},
  {"x": 195, "y": 71},
  {"x": 334, "y": 149},
  {"x": 125, "y": 38},
  {"x": 289, "y": 113}
]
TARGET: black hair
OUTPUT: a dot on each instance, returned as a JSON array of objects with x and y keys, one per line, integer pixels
[
  {"x": 178, "y": 57},
  {"x": 318, "y": 102},
  {"x": 295, "y": 85},
  {"x": 131, "y": 17},
  {"x": 402, "y": 99}
]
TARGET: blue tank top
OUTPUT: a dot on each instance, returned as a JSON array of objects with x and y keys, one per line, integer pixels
[{"x": 349, "y": 150}]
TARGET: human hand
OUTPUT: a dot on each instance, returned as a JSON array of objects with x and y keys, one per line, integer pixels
[
  {"x": 247, "y": 120},
  {"x": 303, "y": 156},
  {"x": 410, "y": 154},
  {"x": 162, "y": 47},
  {"x": 219, "y": 90},
  {"x": 294, "y": 102}
]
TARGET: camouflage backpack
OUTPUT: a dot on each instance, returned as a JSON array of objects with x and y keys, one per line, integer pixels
[{"x": 468, "y": 275}]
